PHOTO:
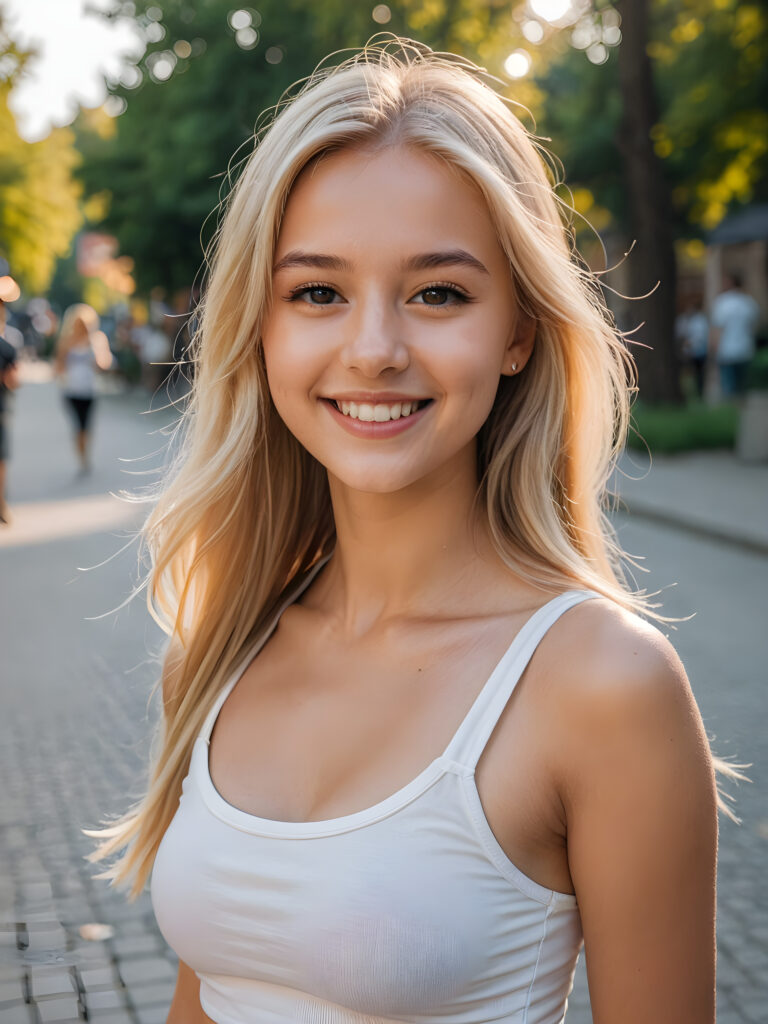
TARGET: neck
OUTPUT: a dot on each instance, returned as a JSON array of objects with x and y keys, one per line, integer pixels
[{"x": 408, "y": 553}]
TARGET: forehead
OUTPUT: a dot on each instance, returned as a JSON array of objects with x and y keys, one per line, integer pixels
[{"x": 390, "y": 202}]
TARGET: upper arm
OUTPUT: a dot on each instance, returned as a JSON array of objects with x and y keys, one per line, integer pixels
[
  {"x": 101, "y": 350},
  {"x": 642, "y": 831},
  {"x": 186, "y": 1008},
  {"x": 10, "y": 376}
]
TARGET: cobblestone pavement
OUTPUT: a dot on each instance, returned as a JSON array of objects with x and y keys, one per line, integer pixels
[{"x": 74, "y": 692}]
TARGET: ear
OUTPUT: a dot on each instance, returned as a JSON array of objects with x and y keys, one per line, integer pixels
[{"x": 520, "y": 345}]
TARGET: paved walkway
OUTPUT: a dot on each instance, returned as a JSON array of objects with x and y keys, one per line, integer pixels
[
  {"x": 75, "y": 682},
  {"x": 708, "y": 493}
]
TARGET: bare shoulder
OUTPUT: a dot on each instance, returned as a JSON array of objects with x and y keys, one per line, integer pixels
[
  {"x": 617, "y": 692},
  {"x": 602, "y": 656}
]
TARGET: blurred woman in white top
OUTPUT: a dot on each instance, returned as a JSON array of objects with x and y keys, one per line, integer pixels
[{"x": 81, "y": 349}]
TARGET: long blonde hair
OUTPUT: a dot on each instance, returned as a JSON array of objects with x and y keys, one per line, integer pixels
[
  {"x": 247, "y": 511},
  {"x": 80, "y": 313}
]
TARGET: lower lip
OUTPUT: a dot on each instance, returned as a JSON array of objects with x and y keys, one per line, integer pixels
[{"x": 376, "y": 431}]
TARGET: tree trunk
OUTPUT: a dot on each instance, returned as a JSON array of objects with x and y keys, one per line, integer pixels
[{"x": 652, "y": 260}]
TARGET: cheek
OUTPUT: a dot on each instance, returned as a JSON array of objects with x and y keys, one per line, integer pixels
[
  {"x": 280, "y": 380},
  {"x": 468, "y": 365},
  {"x": 290, "y": 361}
]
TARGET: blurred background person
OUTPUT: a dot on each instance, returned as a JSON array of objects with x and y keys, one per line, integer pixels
[
  {"x": 692, "y": 330},
  {"x": 154, "y": 351},
  {"x": 81, "y": 350},
  {"x": 735, "y": 316},
  {"x": 9, "y": 381}
]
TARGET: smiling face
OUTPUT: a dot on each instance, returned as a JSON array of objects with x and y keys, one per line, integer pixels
[{"x": 393, "y": 317}]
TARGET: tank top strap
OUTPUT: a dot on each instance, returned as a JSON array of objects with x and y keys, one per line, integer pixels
[
  {"x": 253, "y": 649},
  {"x": 474, "y": 732}
]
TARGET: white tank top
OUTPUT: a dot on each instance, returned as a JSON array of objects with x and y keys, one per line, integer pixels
[
  {"x": 405, "y": 911},
  {"x": 80, "y": 372}
]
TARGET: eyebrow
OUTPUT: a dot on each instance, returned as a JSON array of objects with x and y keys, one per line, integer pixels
[
  {"x": 297, "y": 258},
  {"x": 423, "y": 261},
  {"x": 449, "y": 258}
]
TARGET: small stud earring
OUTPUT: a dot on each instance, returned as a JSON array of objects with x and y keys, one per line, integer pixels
[{"x": 514, "y": 367}]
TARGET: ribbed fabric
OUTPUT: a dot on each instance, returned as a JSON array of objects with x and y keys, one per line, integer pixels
[{"x": 406, "y": 911}]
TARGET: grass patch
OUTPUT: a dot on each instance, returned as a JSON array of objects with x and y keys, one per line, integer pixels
[{"x": 669, "y": 429}]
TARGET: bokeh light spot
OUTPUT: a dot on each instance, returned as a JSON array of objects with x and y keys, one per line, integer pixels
[
  {"x": 273, "y": 55},
  {"x": 182, "y": 48},
  {"x": 114, "y": 106},
  {"x": 550, "y": 10},
  {"x": 584, "y": 34},
  {"x": 131, "y": 77},
  {"x": 597, "y": 53},
  {"x": 381, "y": 14},
  {"x": 154, "y": 32},
  {"x": 239, "y": 19},
  {"x": 246, "y": 38},
  {"x": 518, "y": 64},
  {"x": 161, "y": 65},
  {"x": 154, "y": 13},
  {"x": 533, "y": 31}
]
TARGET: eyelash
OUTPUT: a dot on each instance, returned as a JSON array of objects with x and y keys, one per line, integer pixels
[{"x": 443, "y": 286}]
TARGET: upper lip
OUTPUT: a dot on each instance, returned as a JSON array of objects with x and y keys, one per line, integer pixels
[{"x": 375, "y": 397}]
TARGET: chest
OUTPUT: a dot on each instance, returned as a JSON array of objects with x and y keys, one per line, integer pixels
[
  {"x": 387, "y": 920},
  {"x": 314, "y": 731}
]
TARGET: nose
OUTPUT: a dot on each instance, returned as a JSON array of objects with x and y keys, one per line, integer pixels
[{"x": 374, "y": 341}]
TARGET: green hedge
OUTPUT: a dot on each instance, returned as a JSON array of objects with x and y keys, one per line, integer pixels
[
  {"x": 669, "y": 429},
  {"x": 757, "y": 374}
]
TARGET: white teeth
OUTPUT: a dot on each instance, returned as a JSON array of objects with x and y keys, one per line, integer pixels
[{"x": 368, "y": 413}]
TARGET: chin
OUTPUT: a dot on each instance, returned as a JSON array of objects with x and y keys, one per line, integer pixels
[{"x": 368, "y": 479}]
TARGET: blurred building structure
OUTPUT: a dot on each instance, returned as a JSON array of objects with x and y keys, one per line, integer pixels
[{"x": 739, "y": 245}]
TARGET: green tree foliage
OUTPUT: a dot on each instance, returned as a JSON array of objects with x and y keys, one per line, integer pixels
[
  {"x": 693, "y": 132},
  {"x": 710, "y": 73},
  {"x": 666, "y": 135},
  {"x": 39, "y": 211},
  {"x": 711, "y": 60},
  {"x": 197, "y": 93}
]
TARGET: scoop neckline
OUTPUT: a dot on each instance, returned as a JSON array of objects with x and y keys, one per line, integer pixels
[{"x": 277, "y": 828}]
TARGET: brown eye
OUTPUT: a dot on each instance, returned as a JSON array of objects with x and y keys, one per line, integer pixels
[
  {"x": 321, "y": 296},
  {"x": 440, "y": 295},
  {"x": 314, "y": 295},
  {"x": 435, "y": 296}
]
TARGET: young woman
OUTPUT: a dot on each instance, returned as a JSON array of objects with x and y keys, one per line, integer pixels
[
  {"x": 417, "y": 740},
  {"x": 82, "y": 350}
]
